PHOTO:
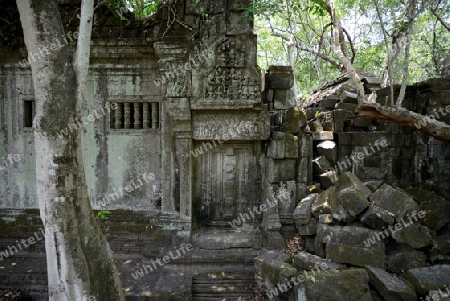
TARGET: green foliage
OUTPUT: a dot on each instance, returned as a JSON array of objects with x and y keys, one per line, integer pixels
[
  {"x": 318, "y": 7},
  {"x": 140, "y": 8},
  {"x": 306, "y": 22},
  {"x": 436, "y": 257},
  {"x": 103, "y": 214}
]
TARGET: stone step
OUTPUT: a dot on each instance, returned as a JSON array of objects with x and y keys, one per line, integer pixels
[
  {"x": 222, "y": 286},
  {"x": 226, "y": 239},
  {"x": 222, "y": 257}
]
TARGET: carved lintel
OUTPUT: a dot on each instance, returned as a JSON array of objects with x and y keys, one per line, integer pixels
[{"x": 231, "y": 125}]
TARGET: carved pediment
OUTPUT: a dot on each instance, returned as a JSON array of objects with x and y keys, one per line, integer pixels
[{"x": 231, "y": 79}]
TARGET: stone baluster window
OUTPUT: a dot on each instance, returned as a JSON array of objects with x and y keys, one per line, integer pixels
[
  {"x": 127, "y": 115},
  {"x": 135, "y": 116},
  {"x": 145, "y": 115}
]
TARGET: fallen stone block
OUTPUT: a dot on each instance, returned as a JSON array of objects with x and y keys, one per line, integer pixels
[
  {"x": 400, "y": 258},
  {"x": 373, "y": 185},
  {"x": 429, "y": 278},
  {"x": 344, "y": 285},
  {"x": 349, "y": 203},
  {"x": 390, "y": 286},
  {"x": 321, "y": 165},
  {"x": 414, "y": 235},
  {"x": 377, "y": 218},
  {"x": 355, "y": 255},
  {"x": 328, "y": 179},
  {"x": 437, "y": 208},
  {"x": 348, "y": 198},
  {"x": 308, "y": 262},
  {"x": 443, "y": 244},
  {"x": 347, "y": 244},
  {"x": 274, "y": 266},
  {"x": 302, "y": 213},
  {"x": 320, "y": 204},
  {"x": 393, "y": 201}
]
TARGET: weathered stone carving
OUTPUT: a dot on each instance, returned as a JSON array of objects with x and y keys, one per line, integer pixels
[
  {"x": 231, "y": 126},
  {"x": 229, "y": 81}
]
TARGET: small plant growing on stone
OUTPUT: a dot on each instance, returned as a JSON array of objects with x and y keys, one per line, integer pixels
[
  {"x": 436, "y": 257},
  {"x": 102, "y": 214}
]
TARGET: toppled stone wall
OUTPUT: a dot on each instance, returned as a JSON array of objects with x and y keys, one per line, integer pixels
[
  {"x": 379, "y": 242},
  {"x": 374, "y": 149}
]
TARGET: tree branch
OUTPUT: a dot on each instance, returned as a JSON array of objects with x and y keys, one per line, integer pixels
[
  {"x": 442, "y": 21},
  {"x": 352, "y": 47},
  {"x": 437, "y": 129},
  {"x": 335, "y": 63},
  {"x": 337, "y": 48}
]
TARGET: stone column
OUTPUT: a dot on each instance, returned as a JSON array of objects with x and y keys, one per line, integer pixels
[{"x": 176, "y": 136}]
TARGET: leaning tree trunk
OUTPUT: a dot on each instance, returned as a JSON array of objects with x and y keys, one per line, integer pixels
[
  {"x": 343, "y": 58},
  {"x": 79, "y": 259},
  {"x": 435, "y": 128}
]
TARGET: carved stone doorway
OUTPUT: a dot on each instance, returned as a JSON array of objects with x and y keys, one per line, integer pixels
[{"x": 228, "y": 179}]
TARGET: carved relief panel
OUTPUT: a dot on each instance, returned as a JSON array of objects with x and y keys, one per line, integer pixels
[
  {"x": 231, "y": 79},
  {"x": 231, "y": 125}
]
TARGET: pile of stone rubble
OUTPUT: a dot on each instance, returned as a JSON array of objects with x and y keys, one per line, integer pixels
[{"x": 376, "y": 242}]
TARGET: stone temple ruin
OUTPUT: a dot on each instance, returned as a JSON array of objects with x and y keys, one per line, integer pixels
[{"x": 208, "y": 162}]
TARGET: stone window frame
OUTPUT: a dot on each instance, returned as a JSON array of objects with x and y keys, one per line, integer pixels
[
  {"x": 148, "y": 106},
  {"x": 27, "y": 98}
]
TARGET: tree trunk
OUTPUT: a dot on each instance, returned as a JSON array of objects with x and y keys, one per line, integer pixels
[
  {"x": 345, "y": 61},
  {"x": 437, "y": 129},
  {"x": 79, "y": 260}
]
